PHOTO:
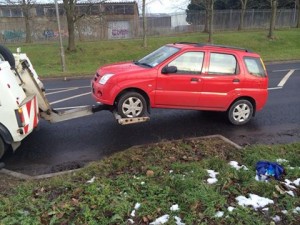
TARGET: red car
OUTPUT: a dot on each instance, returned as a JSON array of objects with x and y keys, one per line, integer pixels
[{"x": 186, "y": 76}]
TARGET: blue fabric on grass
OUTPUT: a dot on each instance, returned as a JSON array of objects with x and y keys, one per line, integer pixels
[{"x": 269, "y": 169}]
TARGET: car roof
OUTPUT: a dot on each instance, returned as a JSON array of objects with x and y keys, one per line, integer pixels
[{"x": 225, "y": 48}]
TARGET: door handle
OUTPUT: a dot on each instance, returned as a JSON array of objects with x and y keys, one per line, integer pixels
[
  {"x": 194, "y": 79},
  {"x": 236, "y": 80}
]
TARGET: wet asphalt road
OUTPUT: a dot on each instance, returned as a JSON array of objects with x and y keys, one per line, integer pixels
[{"x": 71, "y": 144}]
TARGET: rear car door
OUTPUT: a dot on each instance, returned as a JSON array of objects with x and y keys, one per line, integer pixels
[
  {"x": 221, "y": 81},
  {"x": 181, "y": 88}
]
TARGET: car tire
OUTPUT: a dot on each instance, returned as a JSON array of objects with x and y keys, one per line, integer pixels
[
  {"x": 240, "y": 112},
  {"x": 6, "y": 55},
  {"x": 3, "y": 147},
  {"x": 131, "y": 105}
]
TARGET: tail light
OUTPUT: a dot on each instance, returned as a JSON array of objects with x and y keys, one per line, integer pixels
[{"x": 20, "y": 117}]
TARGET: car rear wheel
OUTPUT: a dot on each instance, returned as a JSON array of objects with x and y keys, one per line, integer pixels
[
  {"x": 3, "y": 147},
  {"x": 131, "y": 104},
  {"x": 240, "y": 112}
]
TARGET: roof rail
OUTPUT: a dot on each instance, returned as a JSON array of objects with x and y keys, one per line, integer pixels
[{"x": 214, "y": 45}]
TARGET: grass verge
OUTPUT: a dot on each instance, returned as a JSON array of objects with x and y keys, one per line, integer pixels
[
  {"x": 90, "y": 55},
  {"x": 159, "y": 176}
]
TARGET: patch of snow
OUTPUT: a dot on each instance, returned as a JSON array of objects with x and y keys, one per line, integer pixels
[
  {"x": 254, "y": 200},
  {"x": 289, "y": 184},
  {"x": 212, "y": 180},
  {"x": 230, "y": 208},
  {"x": 284, "y": 212},
  {"x": 282, "y": 161},
  {"x": 161, "y": 220},
  {"x": 131, "y": 221},
  {"x": 171, "y": 171},
  {"x": 297, "y": 182},
  {"x": 291, "y": 193},
  {"x": 137, "y": 206},
  {"x": 219, "y": 214},
  {"x": 235, "y": 165},
  {"x": 212, "y": 175},
  {"x": 174, "y": 208},
  {"x": 178, "y": 221},
  {"x": 142, "y": 183},
  {"x": 296, "y": 210},
  {"x": 91, "y": 180},
  {"x": 276, "y": 218},
  {"x": 265, "y": 209},
  {"x": 132, "y": 214}
]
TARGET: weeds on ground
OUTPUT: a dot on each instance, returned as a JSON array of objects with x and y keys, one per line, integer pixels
[{"x": 159, "y": 177}]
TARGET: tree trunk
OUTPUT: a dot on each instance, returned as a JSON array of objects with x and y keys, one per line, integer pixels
[
  {"x": 298, "y": 21},
  {"x": 144, "y": 25},
  {"x": 211, "y": 21},
  {"x": 273, "y": 19},
  {"x": 26, "y": 13},
  {"x": 242, "y": 16},
  {"x": 28, "y": 30},
  {"x": 69, "y": 6},
  {"x": 206, "y": 25}
]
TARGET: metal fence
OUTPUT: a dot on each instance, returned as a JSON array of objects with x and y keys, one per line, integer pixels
[{"x": 45, "y": 29}]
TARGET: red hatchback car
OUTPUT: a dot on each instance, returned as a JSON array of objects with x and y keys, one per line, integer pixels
[{"x": 186, "y": 76}]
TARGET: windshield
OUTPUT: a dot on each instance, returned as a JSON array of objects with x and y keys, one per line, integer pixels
[{"x": 157, "y": 56}]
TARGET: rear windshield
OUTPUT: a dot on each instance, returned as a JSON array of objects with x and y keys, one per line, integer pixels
[{"x": 255, "y": 66}]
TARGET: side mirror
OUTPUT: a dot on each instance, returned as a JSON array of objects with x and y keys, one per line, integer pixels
[{"x": 169, "y": 69}]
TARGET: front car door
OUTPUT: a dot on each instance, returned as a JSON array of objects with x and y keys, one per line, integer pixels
[{"x": 180, "y": 89}]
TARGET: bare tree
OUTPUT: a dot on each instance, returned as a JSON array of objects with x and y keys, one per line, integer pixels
[
  {"x": 73, "y": 16},
  {"x": 298, "y": 21},
  {"x": 144, "y": 24},
  {"x": 25, "y": 6},
  {"x": 242, "y": 15},
  {"x": 210, "y": 20},
  {"x": 273, "y": 18},
  {"x": 69, "y": 6}
]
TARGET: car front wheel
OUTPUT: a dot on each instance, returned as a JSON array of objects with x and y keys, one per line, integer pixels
[
  {"x": 131, "y": 104},
  {"x": 240, "y": 112}
]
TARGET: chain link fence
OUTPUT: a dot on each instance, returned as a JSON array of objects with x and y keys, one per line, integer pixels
[{"x": 43, "y": 29}]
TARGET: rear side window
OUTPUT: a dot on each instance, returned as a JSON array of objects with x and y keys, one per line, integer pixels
[
  {"x": 222, "y": 64},
  {"x": 255, "y": 66}
]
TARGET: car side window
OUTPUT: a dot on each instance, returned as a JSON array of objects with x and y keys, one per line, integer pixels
[
  {"x": 189, "y": 63},
  {"x": 221, "y": 63},
  {"x": 255, "y": 66}
]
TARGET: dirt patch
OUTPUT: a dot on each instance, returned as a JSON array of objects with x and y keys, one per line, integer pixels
[{"x": 8, "y": 183}]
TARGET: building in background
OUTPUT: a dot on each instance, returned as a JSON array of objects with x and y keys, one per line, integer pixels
[{"x": 116, "y": 20}]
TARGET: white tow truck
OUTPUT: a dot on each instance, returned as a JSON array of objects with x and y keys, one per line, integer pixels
[{"x": 23, "y": 102}]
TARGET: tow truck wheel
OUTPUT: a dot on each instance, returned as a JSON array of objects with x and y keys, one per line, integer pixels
[
  {"x": 131, "y": 104},
  {"x": 6, "y": 55},
  {"x": 240, "y": 112},
  {"x": 2, "y": 147}
]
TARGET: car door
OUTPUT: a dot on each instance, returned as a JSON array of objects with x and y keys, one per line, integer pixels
[
  {"x": 220, "y": 81},
  {"x": 180, "y": 89}
]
